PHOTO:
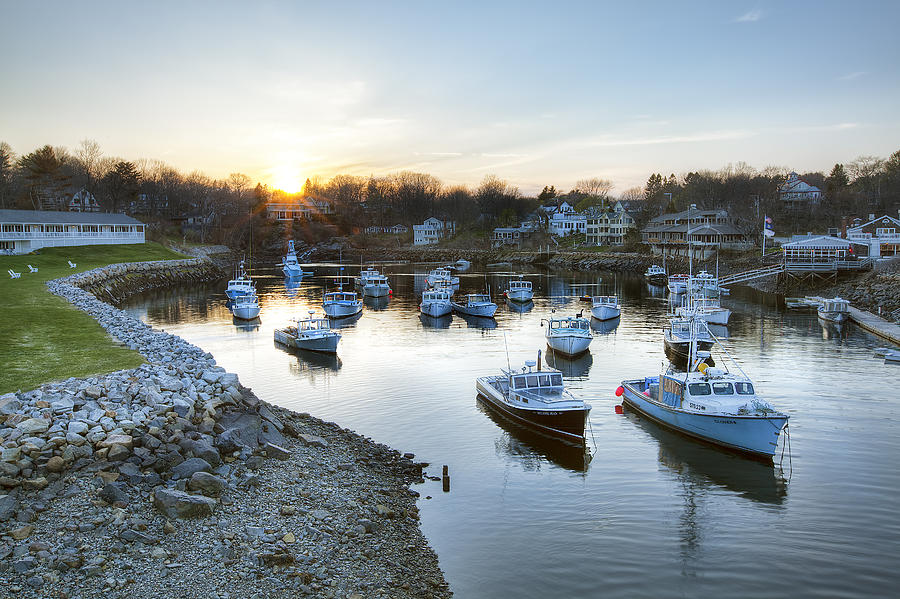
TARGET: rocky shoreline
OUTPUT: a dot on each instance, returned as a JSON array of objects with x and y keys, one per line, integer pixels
[{"x": 174, "y": 480}]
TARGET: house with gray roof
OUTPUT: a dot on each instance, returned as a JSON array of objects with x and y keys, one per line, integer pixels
[
  {"x": 700, "y": 230},
  {"x": 23, "y": 231}
]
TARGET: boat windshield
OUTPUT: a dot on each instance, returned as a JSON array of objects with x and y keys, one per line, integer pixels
[
  {"x": 699, "y": 388},
  {"x": 723, "y": 388},
  {"x": 744, "y": 388},
  {"x": 536, "y": 380}
]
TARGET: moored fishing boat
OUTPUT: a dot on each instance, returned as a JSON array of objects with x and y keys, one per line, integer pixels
[
  {"x": 441, "y": 274},
  {"x": 536, "y": 398},
  {"x": 704, "y": 308},
  {"x": 656, "y": 275},
  {"x": 340, "y": 304},
  {"x": 475, "y": 304},
  {"x": 834, "y": 310},
  {"x": 364, "y": 276},
  {"x": 290, "y": 265},
  {"x": 311, "y": 334},
  {"x": 679, "y": 336},
  {"x": 678, "y": 283},
  {"x": 241, "y": 284},
  {"x": 605, "y": 307},
  {"x": 707, "y": 403},
  {"x": 376, "y": 285},
  {"x": 569, "y": 336},
  {"x": 519, "y": 290},
  {"x": 435, "y": 303},
  {"x": 246, "y": 307}
]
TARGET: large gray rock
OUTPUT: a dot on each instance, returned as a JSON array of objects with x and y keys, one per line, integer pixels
[
  {"x": 113, "y": 494},
  {"x": 33, "y": 425},
  {"x": 187, "y": 468},
  {"x": 9, "y": 404},
  {"x": 206, "y": 483},
  {"x": 8, "y": 507},
  {"x": 202, "y": 449},
  {"x": 178, "y": 504}
]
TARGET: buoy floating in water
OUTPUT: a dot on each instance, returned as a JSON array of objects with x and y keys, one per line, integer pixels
[
  {"x": 619, "y": 409},
  {"x": 619, "y": 391}
]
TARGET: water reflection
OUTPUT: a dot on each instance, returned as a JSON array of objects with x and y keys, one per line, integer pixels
[
  {"x": 308, "y": 362},
  {"x": 436, "y": 322},
  {"x": 656, "y": 290},
  {"x": 577, "y": 367},
  {"x": 834, "y": 331},
  {"x": 699, "y": 464},
  {"x": 519, "y": 307},
  {"x": 292, "y": 285},
  {"x": 247, "y": 326},
  {"x": 530, "y": 448},
  {"x": 347, "y": 322},
  {"x": 376, "y": 303},
  {"x": 478, "y": 322},
  {"x": 605, "y": 327}
]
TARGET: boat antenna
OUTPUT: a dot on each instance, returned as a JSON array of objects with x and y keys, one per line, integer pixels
[{"x": 508, "y": 367}]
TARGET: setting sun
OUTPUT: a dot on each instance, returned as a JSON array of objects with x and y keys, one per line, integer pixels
[{"x": 287, "y": 178}]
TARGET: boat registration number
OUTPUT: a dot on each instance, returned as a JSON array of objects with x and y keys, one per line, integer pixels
[
  {"x": 696, "y": 406},
  {"x": 719, "y": 421},
  {"x": 547, "y": 413}
]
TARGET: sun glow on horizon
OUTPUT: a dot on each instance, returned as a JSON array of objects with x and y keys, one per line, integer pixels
[{"x": 286, "y": 178}]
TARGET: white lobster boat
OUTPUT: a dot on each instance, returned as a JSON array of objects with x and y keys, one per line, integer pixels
[
  {"x": 537, "y": 399},
  {"x": 605, "y": 307},
  {"x": 376, "y": 285},
  {"x": 241, "y": 284},
  {"x": 441, "y": 274},
  {"x": 245, "y": 307},
  {"x": 340, "y": 304},
  {"x": 678, "y": 283},
  {"x": 834, "y": 310},
  {"x": 656, "y": 275},
  {"x": 476, "y": 304},
  {"x": 704, "y": 308},
  {"x": 364, "y": 276},
  {"x": 708, "y": 403},
  {"x": 436, "y": 303},
  {"x": 568, "y": 336},
  {"x": 311, "y": 334},
  {"x": 519, "y": 290},
  {"x": 290, "y": 266}
]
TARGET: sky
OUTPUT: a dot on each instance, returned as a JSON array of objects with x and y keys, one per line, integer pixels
[{"x": 536, "y": 93}]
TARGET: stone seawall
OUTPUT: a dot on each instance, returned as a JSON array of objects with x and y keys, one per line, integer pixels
[
  {"x": 172, "y": 479},
  {"x": 116, "y": 282}
]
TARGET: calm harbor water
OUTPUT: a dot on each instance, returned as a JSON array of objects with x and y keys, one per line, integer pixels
[{"x": 650, "y": 513}]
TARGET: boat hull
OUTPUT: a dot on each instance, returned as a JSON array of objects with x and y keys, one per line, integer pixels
[
  {"x": 756, "y": 436},
  {"x": 292, "y": 271},
  {"x": 678, "y": 352},
  {"x": 436, "y": 309},
  {"x": 564, "y": 424},
  {"x": 341, "y": 310},
  {"x": 520, "y": 295},
  {"x": 248, "y": 312},
  {"x": 324, "y": 344},
  {"x": 486, "y": 310},
  {"x": 833, "y": 316},
  {"x": 569, "y": 345},
  {"x": 660, "y": 279},
  {"x": 376, "y": 290},
  {"x": 236, "y": 293},
  {"x": 605, "y": 312}
]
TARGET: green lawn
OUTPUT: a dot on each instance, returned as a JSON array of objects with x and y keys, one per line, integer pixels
[{"x": 44, "y": 338}]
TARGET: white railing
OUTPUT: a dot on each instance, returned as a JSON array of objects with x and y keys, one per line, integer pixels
[{"x": 11, "y": 235}]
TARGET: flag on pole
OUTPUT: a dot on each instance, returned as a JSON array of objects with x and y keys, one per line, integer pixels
[{"x": 768, "y": 227}]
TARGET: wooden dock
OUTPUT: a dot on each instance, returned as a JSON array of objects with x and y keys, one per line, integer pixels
[{"x": 876, "y": 324}]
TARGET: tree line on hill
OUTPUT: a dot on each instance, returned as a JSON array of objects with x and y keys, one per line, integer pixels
[{"x": 154, "y": 189}]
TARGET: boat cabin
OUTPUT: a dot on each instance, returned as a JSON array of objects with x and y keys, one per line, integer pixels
[
  {"x": 682, "y": 328},
  {"x": 313, "y": 325},
  {"x": 478, "y": 298},
  {"x": 536, "y": 387},
  {"x": 440, "y": 273},
  {"x": 605, "y": 300},
  {"x": 556, "y": 324},
  {"x": 519, "y": 284},
  {"x": 707, "y": 391},
  {"x": 436, "y": 295},
  {"x": 835, "y": 305},
  {"x": 340, "y": 296}
]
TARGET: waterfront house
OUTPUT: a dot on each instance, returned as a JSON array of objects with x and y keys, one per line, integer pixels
[
  {"x": 880, "y": 235},
  {"x": 702, "y": 230},
  {"x": 513, "y": 235},
  {"x": 822, "y": 253},
  {"x": 23, "y": 231},
  {"x": 608, "y": 227},
  {"x": 796, "y": 192},
  {"x": 299, "y": 208},
  {"x": 432, "y": 231},
  {"x": 397, "y": 229},
  {"x": 564, "y": 223}
]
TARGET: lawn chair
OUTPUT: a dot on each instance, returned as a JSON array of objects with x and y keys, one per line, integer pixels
[
  {"x": 13, "y": 274},
  {"x": 71, "y": 264},
  {"x": 32, "y": 269}
]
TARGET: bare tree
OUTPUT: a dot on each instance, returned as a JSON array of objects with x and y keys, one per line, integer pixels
[
  {"x": 238, "y": 183},
  {"x": 7, "y": 163},
  {"x": 594, "y": 187},
  {"x": 88, "y": 163}
]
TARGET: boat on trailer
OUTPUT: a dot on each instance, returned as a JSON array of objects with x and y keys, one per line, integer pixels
[{"x": 536, "y": 398}]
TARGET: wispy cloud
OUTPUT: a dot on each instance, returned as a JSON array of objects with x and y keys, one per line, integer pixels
[
  {"x": 439, "y": 154},
  {"x": 672, "y": 139},
  {"x": 851, "y": 76},
  {"x": 750, "y": 17}
]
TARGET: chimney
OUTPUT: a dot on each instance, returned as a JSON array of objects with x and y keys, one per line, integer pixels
[{"x": 843, "y": 227}]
